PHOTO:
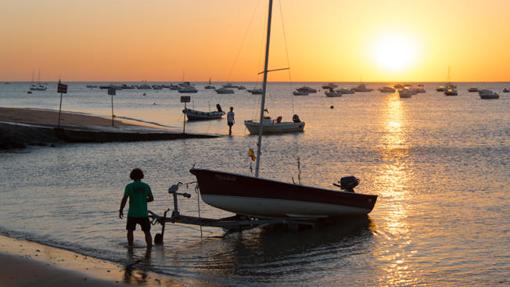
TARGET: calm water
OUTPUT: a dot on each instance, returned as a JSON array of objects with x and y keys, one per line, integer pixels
[{"x": 440, "y": 165}]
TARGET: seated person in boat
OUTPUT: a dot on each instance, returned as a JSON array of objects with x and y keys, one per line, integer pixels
[
  {"x": 296, "y": 119},
  {"x": 279, "y": 119},
  {"x": 139, "y": 194},
  {"x": 218, "y": 107}
]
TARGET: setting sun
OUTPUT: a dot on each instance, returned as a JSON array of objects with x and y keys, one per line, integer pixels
[{"x": 394, "y": 53}]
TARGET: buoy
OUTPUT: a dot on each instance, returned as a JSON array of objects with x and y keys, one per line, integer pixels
[{"x": 331, "y": 107}]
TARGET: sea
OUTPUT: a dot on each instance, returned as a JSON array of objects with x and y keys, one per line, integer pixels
[{"x": 439, "y": 164}]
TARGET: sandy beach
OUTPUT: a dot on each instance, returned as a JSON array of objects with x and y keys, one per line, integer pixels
[
  {"x": 26, "y": 263},
  {"x": 50, "y": 117},
  {"x": 20, "y": 127}
]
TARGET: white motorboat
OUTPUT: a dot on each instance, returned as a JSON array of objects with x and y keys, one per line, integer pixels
[
  {"x": 187, "y": 89},
  {"x": 488, "y": 95},
  {"x": 270, "y": 126}
]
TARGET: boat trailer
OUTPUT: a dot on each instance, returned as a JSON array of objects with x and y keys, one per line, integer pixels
[{"x": 232, "y": 224}]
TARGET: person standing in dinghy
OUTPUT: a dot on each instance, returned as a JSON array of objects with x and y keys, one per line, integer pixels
[{"x": 139, "y": 194}]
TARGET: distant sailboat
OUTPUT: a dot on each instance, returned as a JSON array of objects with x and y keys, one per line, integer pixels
[
  {"x": 210, "y": 86},
  {"x": 450, "y": 89},
  {"x": 38, "y": 86}
]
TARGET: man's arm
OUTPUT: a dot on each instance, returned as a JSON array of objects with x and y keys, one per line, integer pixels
[{"x": 122, "y": 205}]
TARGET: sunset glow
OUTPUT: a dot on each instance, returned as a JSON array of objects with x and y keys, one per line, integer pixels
[
  {"x": 326, "y": 40},
  {"x": 394, "y": 53}
]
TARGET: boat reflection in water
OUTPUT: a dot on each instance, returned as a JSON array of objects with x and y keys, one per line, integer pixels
[{"x": 278, "y": 254}]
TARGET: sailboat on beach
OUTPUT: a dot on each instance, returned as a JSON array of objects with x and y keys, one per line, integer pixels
[{"x": 264, "y": 198}]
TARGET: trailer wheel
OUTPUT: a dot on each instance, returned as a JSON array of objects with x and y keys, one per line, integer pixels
[{"x": 158, "y": 239}]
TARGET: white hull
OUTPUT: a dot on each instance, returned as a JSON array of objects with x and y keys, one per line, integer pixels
[{"x": 269, "y": 207}]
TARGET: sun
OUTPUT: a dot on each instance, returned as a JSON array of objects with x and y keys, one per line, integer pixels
[{"x": 394, "y": 53}]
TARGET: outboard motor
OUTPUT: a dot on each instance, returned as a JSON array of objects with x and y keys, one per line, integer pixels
[{"x": 348, "y": 183}]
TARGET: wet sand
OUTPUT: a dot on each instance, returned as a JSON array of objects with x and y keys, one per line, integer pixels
[
  {"x": 25, "y": 263},
  {"x": 20, "y": 127}
]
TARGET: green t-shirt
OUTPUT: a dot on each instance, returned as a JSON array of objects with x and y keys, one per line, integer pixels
[{"x": 138, "y": 192}]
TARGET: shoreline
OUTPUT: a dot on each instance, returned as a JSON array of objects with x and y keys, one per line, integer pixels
[
  {"x": 27, "y": 263},
  {"x": 21, "y": 127}
]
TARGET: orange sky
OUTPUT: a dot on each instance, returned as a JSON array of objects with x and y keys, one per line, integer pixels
[{"x": 327, "y": 40}]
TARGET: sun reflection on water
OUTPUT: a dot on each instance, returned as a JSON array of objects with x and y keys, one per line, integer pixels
[{"x": 393, "y": 180}]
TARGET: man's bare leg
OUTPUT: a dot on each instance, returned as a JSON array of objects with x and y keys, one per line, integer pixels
[
  {"x": 130, "y": 237},
  {"x": 148, "y": 238}
]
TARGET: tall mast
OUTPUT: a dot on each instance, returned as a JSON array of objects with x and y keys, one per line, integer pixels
[{"x": 264, "y": 88}]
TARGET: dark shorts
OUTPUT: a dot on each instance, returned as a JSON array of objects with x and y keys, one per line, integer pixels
[{"x": 143, "y": 221}]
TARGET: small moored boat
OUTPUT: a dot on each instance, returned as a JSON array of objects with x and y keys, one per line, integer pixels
[
  {"x": 270, "y": 126},
  {"x": 224, "y": 91},
  {"x": 488, "y": 95},
  {"x": 333, "y": 93},
  {"x": 195, "y": 115}
]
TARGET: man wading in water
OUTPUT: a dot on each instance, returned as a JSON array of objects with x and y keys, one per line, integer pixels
[
  {"x": 139, "y": 193},
  {"x": 230, "y": 120}
]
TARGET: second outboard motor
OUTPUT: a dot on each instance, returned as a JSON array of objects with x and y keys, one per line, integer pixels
[{"x": 348, "y": 183}]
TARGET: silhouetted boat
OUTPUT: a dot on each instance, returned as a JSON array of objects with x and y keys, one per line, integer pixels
[
  {"x": 405, "y": 93},
  {"x": 333, "y": 93},
  {"x": 387, "y": 90},
  {"x": 488, "y": 95},
  {"x": 195, "y": 115},
  {"x": 330, "y": 86},
  {"x": 362, "y": 88},
  {"x": 255, "y": 91},
  {"x": 210, "y": 86},
  {"x": 224, "y": 90}
]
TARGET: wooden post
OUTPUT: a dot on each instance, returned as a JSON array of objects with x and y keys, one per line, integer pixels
[
  {"x": 184, "y": 121},
  {"x": 62, "y": 89},
  {"x": 60, "y": 110},
  {"x": 185, "y": 99},
  {"x": 111, "y": 92},
  {"x": 113, "y": 122}
]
